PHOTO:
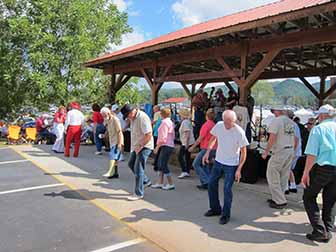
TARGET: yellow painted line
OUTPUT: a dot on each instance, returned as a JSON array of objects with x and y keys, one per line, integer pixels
[{"x": 87, "y": 197}]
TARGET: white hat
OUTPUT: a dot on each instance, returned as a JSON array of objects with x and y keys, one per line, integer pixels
[
  {"x": 326, "y": 109},
  {"x": 105, "y": 110},
  {"x": 279, "y": 108},
  {"x": 114, "y": 107}
]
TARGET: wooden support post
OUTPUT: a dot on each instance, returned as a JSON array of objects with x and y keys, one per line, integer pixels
[
  {"x": 243, "y": 90},
  {"x": 227, "y": 83},
  {"x": 331, "y": 89},
  {"x": 322, "y": 90},
  {"x": 111, "y": 90},
  {"x": 193, "y": 89}
]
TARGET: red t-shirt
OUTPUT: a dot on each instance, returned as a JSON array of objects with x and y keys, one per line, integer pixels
[
  {"x": 205, "y": 134},
  {"x": 97, "y": 118},
  {"x": 59, "y": 117},
  {"x": 39, "y": 124}
]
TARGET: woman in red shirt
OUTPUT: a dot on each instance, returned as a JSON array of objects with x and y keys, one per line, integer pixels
[
  {"x": 98, "y": 127},
  {"x": 58, "y": 129},
  {"x": 203, "y": 171}
]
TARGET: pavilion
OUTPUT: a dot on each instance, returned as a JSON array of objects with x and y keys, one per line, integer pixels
[{"x": 285, "y": 39}]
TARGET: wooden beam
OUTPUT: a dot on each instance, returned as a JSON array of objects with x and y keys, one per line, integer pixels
[
  {"x": 186, "y": 89},
  {"x": 146, "y": 76},
  {"x": 197, "y": 76},
  {"x": 203, "y": 85},
  {"x": 310, "y": 87},
  {"x": 330, "y": 90},
  {"x": 166, "y": 71},
  {"x": 228, "y": 84},
  {"x": 123, "y": 82},
  {"x": 298, "y": 73},
  {"x": 260, "y": 67},
  {"x": 228, "y": 71}
]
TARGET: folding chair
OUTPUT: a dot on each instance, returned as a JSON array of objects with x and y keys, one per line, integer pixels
[
  {"x": 31, "y": 134},
  {"x": 13, "y": 134}
]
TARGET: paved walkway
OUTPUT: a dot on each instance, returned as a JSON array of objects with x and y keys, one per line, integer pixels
[{"x": 174, "y": 219}]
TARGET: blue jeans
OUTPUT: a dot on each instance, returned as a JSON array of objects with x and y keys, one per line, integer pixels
[
  {"x": 203, "y": 171},
  {"x": 164, "y": 155},
  {"x": 137, "y": 163},
  {"x": 217, "y": 171},
  {"x": 100, "y": 129}
]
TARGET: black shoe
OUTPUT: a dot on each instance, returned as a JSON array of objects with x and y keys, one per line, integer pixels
[
  {"x": 287, "y": 192},
  {"x": 114, "y": 176},
  {"x": 294, "y": 190},
  {"x": 277, "y": 206},
  {"x": 202, "y": 187},
  {"x": 210, "y": 213},
  {"x": 224, "y": 219},
  {"x": 315, "y": 236},
  {"x": 270, "y": 201}
]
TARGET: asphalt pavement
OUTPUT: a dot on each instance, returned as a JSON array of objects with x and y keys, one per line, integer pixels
[{"x": 39, "y": 213}]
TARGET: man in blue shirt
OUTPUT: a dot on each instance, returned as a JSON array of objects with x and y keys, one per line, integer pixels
[{"x": 320, "y": 174}]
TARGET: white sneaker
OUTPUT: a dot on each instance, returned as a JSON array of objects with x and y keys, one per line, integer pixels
[
  {"x": 99, "y": 153},
  {"x": 106, "y": 175},
  {"x": 157, "y": 186},
  {"x": 168, "y": 187},
  {"x": 134, "y": 198},
  {"x": 183, "y": 175},
  {"x": 148, "y": 184}
]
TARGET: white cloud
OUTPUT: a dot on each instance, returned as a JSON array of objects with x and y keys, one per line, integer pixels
[
  {"x": 190, "y": 12},
  {"x": 130, "y": 39},
  {"x": 121, "y": 4}
]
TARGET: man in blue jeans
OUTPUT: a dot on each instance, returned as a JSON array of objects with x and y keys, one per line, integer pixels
[
  {"x": 230, "y": 158},
  {"x": 142, "y": 144}
]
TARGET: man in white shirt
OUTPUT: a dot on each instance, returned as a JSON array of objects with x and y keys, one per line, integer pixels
[
  {"x": 142, "y": 144},
  {"x": 230, "y": 158},
  {"x": 74, "y": 123}
]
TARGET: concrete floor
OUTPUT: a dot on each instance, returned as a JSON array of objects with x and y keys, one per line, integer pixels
[{"x": 174, "y": 219}]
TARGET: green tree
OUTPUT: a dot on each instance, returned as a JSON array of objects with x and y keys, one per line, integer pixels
[
  {"x": 130, "y": 93},
  {"x": 263, "y": 92},
  {"x": 44, "y": 43}
]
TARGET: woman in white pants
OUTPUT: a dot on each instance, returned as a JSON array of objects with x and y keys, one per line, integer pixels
[{"x": 58, "y": 129}]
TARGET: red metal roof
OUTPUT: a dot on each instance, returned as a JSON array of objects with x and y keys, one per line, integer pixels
[
  {"x": 175, "y": 100},
  {"x": 254, "y": 14}
]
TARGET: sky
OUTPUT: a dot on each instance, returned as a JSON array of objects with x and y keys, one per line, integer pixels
[{"x": 153, "y": 18}]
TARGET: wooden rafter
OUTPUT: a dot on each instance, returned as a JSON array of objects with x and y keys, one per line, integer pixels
[
  {"x": 186, "y": 89},
  {"x": 310, "y": 87},
  {"x": 261, "y": 66},
  {"x": 198, "y": 76}
]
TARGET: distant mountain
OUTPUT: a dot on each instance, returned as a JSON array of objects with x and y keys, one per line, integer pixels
[{"x": 291, "y": 88}]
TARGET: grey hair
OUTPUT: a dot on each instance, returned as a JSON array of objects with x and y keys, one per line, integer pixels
[{"x": 231, "y": 114}]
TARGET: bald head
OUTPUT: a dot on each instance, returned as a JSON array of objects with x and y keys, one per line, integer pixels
[{"x": 229, "y": 118}]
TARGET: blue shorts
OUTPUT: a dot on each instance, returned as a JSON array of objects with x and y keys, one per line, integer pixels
[{"x": 114, "y": 153}]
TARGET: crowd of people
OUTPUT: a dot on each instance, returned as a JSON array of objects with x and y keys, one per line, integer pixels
[{"x": 221, "y": 143}]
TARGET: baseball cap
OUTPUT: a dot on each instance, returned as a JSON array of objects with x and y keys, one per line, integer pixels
[
  {"x": 326, "y": 109},
  {"x": 114, "y": 107}
]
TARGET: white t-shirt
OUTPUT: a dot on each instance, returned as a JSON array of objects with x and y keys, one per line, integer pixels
[
  {"x": 229, "y": 142},
  {"x": 184, "y": 128},
  {"x": 243, "y": 117},
  {"x": 141, "y": 126},
  {"x": 74, "y": 118}
]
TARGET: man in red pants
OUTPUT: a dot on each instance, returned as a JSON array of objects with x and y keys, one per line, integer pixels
[{"x": 74, "y": 123}]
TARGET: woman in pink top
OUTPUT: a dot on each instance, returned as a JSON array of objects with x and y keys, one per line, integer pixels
[
  {"x": 165, "y": 142},
  {"x": 203, "y": 171}
]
